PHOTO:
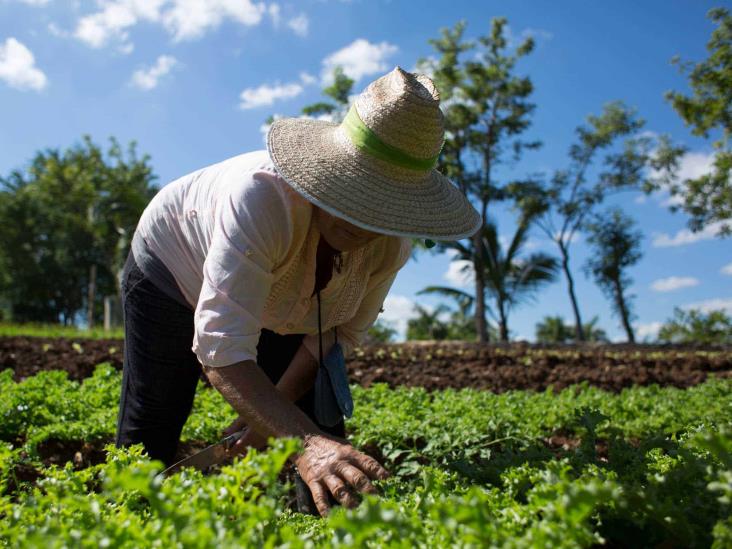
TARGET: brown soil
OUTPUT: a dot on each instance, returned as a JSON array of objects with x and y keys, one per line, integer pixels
[
  {"x": 501, "y": 368},
  {"x": 81, "y": 453},
  {"x": 437, "y": 365},
  {"x": 27, "y": 356}
]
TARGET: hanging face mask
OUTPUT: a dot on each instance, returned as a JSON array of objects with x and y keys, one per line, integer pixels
[{"x": 333, "y": 398}]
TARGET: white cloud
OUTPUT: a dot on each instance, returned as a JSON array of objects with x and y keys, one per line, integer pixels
[
  {"x": 513, "y": 40},
  {"x": 183, "y": 19},
  {"x": 126, "y": 48},
  {"x": 18, "y": 67},
  {"x": 538, "y": 34},
  {"x": 460, "y": 273},
  {"x": 710, "y": 305},
  {"x": 673, "y": 283},
  {"x": 147, "y": 79},
  {"x": 57, "y": 31},
  {"x": 360, "y": 58},
  {"x": 266, "y": 95},
  {"x": 649, "y": 330},
  {"x": 111, "y": 22},
  {"x": 188, "y": 19},
  {"x": 398, "y": 309},
  {"x": 36, "y": 3},
  {"x": 685, "y": 236},
  {"x": 307, "y": 78},
  {"x": 727, "y": 269},
  {"x": 299, "y": 24},
  {"x": 274, "y": 12}
]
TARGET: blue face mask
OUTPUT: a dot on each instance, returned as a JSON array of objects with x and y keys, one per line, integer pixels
[{"x": 333, "y": 398}]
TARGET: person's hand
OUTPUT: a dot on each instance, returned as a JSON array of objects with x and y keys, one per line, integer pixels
[
  {"x": 250, "y": 439},
  {"x": 331, "y": 465}
]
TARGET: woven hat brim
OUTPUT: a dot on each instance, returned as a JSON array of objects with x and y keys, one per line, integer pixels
[{"x": 318, "y": 160}]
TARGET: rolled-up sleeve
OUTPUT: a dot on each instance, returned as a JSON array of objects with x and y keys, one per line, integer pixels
[
  {"x": 352, "y": 332},
  {"x": 252, "y": 231}
]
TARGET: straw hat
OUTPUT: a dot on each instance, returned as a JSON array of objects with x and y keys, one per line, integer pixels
[{"x": 376, "y": 168}]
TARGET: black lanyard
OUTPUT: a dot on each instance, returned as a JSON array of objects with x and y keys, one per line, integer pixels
[{"x": 320, "y": 334}]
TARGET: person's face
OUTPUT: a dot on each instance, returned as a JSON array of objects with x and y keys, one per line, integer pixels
[{"x": 340, "y": 234}]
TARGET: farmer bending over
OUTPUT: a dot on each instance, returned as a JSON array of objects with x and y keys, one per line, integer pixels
[{"x": 269, "y": 261}]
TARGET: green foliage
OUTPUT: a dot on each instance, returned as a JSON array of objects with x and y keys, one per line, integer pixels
[
  {"x": 67, "y": 212},
  {"x": 469, "y": 468},
  {"x": 713, "y": 328},
  {"x": 427, "y": 325},
  {"x": 57, "y": 330},
  {"x": 708, "y": 198},
  {"x": 339, "y": 91},
  {"x": 486, "y": 107},
  {"x": 461, "y": 325},
  {"x": 510, "y": 278},
  {"x": 616, "y": 246},
  {"x": 570, "y": 197},
  {"x": 382, "y": 331},
  {"x": 552, "y": 329}
]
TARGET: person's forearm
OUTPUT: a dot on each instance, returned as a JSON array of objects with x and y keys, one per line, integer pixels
[
  {"x": 299, "y": 377},
  {"x": 265, "y": 409}
]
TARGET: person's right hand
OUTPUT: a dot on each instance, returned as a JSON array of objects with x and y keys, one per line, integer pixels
[{"x": 329, "y": 464}]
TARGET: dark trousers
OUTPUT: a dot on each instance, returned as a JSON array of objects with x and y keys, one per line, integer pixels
[{"x": 160, "y": 371}]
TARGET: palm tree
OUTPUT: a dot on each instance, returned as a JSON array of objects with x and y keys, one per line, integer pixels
[
  {"x": 552, "y": 329},
  {"x": 427, "y": 325},
  {"x": 593, "y": 332},
  {"x": 509, "y": 278},
  {"x": 462, "y": 320}
]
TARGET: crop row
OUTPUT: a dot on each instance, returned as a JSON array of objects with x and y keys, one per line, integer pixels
[{"x": 575, "y": 468}]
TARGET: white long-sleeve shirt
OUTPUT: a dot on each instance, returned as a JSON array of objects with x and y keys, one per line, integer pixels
[{"x": 241, "y": 245}]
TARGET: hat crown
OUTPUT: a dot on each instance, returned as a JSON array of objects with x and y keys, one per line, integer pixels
[{"x": 403, "y": 110}]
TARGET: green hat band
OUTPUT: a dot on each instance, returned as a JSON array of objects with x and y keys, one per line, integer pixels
[{"x": 367, "y": 141}]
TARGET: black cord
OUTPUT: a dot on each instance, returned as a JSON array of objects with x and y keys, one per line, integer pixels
[{"x": 320, "y": 334}]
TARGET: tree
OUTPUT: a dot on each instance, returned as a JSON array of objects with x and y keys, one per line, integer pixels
[
  {"x": 339, "y": 91},
  {"x": 571, "y": 196},
  {"x": 382, "y": 331},
  {"x": 552, "y": 329},
  {"x": 509, "y": 278},
  {"x": 65, "y": 228},
  {"x": 593, "y": 332},
  {"x": 708, "y": 198},
  {"x": 427, "y": 324},
  {"x": 486, "y": 108},
  {"x": 712, "y": 328},
  {"x": 616, "y": 247},
  {"x": 461, "y": 325}
]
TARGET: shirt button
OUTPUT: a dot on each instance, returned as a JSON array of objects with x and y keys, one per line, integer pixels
[
  {"x": 290, "y": 325},
  {"x": 248, "y": 253}
]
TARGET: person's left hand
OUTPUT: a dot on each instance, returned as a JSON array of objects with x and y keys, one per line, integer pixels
[{"x": 250, "y": 439}]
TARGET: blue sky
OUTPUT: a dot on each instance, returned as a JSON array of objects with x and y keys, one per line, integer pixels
[{"x": 192, "y": 82}]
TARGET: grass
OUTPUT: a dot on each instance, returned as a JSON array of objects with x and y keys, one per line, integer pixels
[{"x": 58, "y": 330}]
